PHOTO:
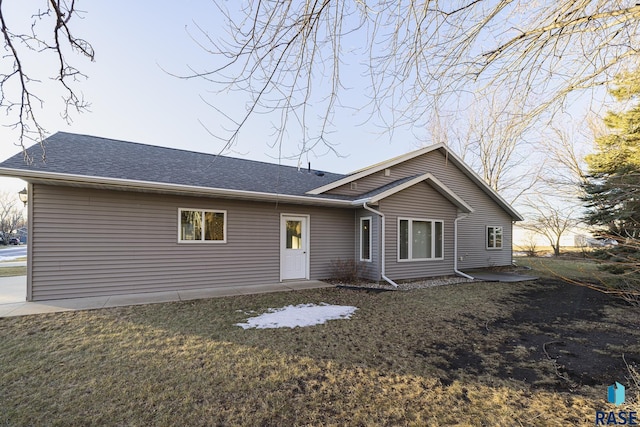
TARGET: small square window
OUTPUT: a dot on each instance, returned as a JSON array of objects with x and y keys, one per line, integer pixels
[{"x": 494, "y": 237}]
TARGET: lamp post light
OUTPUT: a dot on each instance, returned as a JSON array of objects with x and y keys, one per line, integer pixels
[{"x": 24, "y": 196}]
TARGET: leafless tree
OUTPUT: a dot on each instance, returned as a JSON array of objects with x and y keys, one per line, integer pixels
[
  {"x": 417, "y": 55},
  {"x": 11, "y": 216},
  {"x": 566, "y": 147},
  {"x": 50, "y": 36},
  {"x": 551, "y": 220},
  {"x": 530, "y": 243},
  {"x": 490, "y": 138}
]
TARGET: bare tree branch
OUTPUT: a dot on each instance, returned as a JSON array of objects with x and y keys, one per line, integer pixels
[
  {"x": 490, "y": 139},
  {"x": 291, "y": 57},
  {"x": 11, "y": 216},
  {"x": 22, "y": 112}
]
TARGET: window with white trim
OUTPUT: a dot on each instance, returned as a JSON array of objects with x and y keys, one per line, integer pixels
[
  {"x": 195, "y": 225},
  {"x": 494, "y": 237},
  {"x": 365, "y": 239},
  {"x": 420, "y": 239}
]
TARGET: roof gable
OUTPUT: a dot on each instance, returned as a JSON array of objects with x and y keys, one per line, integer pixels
[
  {"x": 361, "y": 173},
  {"x": 405, "y": 183},
  {"x": 449, "y": 155}
]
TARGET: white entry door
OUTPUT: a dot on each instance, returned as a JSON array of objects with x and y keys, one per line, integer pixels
[{"x": 294, "y": 247}]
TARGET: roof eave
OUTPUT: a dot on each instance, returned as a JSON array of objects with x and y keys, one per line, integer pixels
[{"x": 136, "y": 185}]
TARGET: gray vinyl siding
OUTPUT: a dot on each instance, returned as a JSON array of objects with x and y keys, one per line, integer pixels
[
  {"x": 474, "y": 229},
  {"x": 471, "y": 231},
  {"x": 420, "y": 202},
  {"x": 90, "y": 242},
  {"x": 370, "y": 270}
]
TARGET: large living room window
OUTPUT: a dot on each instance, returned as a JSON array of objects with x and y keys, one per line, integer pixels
[
  {"x": 420, "y": 239},
  {"x": 202, "y": 226},
  {"x": 494, "y": 237}
]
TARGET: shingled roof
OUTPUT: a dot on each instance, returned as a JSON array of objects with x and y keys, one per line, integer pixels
[
  {"x": 73, "y": 159},
  {"x": 90, "y": 156}
]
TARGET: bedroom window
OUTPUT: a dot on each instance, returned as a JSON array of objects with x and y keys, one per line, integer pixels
[
  {"x": 202, "y": 226},
  {"x": 420, "y": 239},
  {"x": 494, "y": 237},
  {"x": 365, "y": 239}
]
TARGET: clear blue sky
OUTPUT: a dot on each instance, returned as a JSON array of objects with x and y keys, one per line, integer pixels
[{"x": 135, "y": 100}]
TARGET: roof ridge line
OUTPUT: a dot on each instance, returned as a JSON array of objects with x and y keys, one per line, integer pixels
[{"x": 186, "y": 151}]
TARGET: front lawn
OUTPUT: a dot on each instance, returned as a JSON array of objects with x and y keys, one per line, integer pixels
[
  {"x": 473, "y": 354},
  {"x": 566, "y": 267}
]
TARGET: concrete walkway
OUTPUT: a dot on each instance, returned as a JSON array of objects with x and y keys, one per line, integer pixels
[
  {"x": 13, "y": 264},
  {"x": 13, "y": 289},
  {"x": 498, "y": 276},
  {"x": 54, "y": 306}
]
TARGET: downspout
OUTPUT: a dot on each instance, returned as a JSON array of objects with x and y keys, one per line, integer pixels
[
  {"x": 455, "y": 247},
  {"x": 513, "y": 261},
  {"x": 30, "y": 239},
  {"x": 382, "y": 270}
]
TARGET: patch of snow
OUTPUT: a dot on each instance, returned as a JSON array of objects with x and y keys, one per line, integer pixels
[
  {"x": 10, "y": 258},
  {"x": 301, "y": 315}
]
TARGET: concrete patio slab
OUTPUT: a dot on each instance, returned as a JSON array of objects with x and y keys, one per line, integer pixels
[
  {"x": 29, "y": 308},
  {"x": 7, "y": 309},
  {"x": 140, "y": 299},
  {"x": 259, "y": 289},
  {"x": 208, "y": 293},
  {"x": 13, "y": 289},
  {"x": 77, "y": 303},
  {"x": 308, "y": 284},
  {"x": 54, "y": 306},
  {"x": 499, "y": 276}
]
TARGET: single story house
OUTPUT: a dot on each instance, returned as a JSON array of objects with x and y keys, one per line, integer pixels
[{"x": 111, "y": 217}]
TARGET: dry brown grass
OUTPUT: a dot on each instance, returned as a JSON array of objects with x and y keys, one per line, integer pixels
[
  {"x": 564, "y": 268},
  {"x": 12, "y": 271},
  {"x": 448, "y": 355}
]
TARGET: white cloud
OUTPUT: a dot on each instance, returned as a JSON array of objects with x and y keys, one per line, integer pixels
[{"x": 298, "y": 315}]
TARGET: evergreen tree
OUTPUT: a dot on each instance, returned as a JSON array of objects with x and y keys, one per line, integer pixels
[
  {"x": 613, "y": 189},
  {"x": 613, "y": 186}
]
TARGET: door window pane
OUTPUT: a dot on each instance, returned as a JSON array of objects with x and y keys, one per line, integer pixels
[{"x": 294, "y": 235}]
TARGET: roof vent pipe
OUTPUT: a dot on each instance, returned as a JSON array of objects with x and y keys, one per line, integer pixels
[{"x": 309, "y": 170}]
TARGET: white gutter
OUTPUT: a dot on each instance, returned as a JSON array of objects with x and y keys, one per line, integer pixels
[
  {"x": 455, "y": 247},
  {"x": 391, "y": 282},
  {"x": 182, "y": 189}
]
